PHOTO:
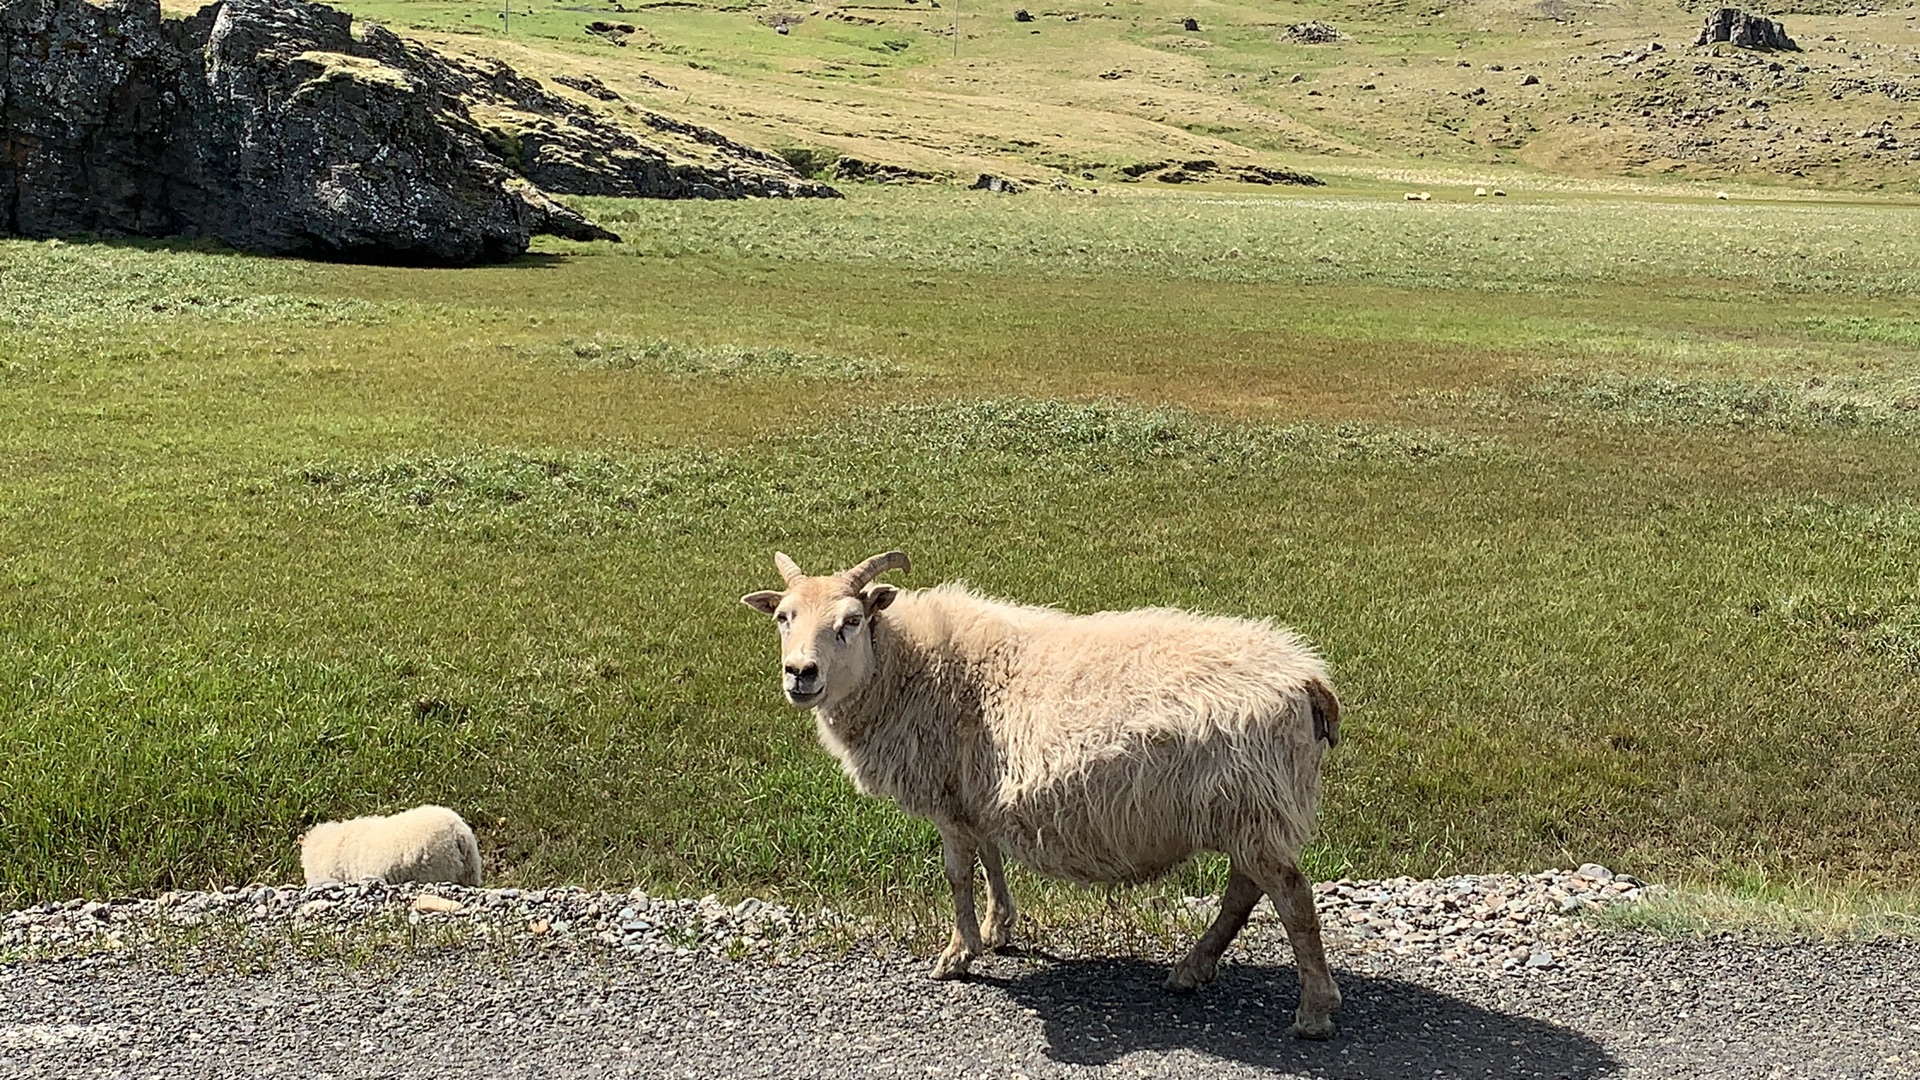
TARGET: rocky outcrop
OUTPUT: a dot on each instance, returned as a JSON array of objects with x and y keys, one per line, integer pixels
[
  {"x": 1312, "y": 32},
  {"x": 1747, "y": 31},
  {"x": 847, "y": 167},
  {"x": 999, "y": 185},
  {"x": 571, "y": 150},
  {"x": 281, "y": 127}
]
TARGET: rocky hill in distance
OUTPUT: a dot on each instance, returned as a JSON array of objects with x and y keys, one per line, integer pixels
[{"x": 1121, "y": 91}]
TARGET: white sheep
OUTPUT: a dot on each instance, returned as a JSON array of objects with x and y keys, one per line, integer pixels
[
  {"x": 1103, "y": 748},
  {"x": 426, "y": 843}
]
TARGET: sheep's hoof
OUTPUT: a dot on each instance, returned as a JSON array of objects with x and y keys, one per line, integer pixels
[
  {"x": 1311, "y": 1027},
  {"x": 996, "y": 933},
  {"x": 952, "y": 964},
  {"x": 1191, "y": 974}
]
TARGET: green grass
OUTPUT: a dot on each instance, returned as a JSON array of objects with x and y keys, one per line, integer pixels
[
  {"x": 1612, "y": 558},
  {"x": 1759, "y": 905}
]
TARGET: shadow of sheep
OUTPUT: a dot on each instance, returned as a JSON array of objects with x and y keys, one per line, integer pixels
[{"x": 1096, "y": 1012}]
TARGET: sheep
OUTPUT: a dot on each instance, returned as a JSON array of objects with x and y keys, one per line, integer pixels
[
  {"x": 426, "y": 843},
  {"x": 1103, "y": 748},
  {"x": 1419, "y": 196}
]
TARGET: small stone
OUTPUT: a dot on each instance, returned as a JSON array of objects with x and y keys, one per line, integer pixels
[
  {"x": 1594, "y": 872},
  {"x": 539, "y": 926},
  {"x": 1541, "y": 959},
  {"x": 431, "y": 902},
  {"x": 313, "y": 907}
]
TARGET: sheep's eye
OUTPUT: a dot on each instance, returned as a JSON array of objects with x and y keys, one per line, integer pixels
[{"x": 782, "y": 618}]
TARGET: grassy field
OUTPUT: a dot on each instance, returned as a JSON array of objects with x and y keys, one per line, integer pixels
[{"x": 1604, "y": 510}]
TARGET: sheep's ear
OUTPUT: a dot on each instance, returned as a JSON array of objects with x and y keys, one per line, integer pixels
[
  {"x": 763, "y": 601},
  {"x": 877, "y": 597}
]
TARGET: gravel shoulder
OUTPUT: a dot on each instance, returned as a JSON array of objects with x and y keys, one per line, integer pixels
[{"x": 676, "y": 1000}]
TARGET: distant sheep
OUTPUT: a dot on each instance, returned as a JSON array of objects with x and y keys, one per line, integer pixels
[
  {"x": 1419, "y": 196},
  {"x": 426, "y": 843},
  {"x": 1103, "y": 748}
]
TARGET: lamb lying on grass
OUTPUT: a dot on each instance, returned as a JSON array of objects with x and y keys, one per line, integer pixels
[
  {"x": 425, "y": 844},
  {"x": 1095, "y": 748}
]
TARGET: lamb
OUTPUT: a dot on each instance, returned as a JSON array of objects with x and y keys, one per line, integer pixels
[
  {"x": 1104, "y": 748},
  {"x": 426, "y": 843}
]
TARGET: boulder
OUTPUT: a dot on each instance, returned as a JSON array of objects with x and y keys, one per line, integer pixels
[
  {"x": 280, "y": 127},
  {"x": 1262, "y": 174},
  {"x": 1312, "y": 32},
  {"x": 588, "y": 85},
  {"x": 875, "y": 172},
  {"x": 269, "y": 126},
  {"x": 1747, "y": 31}
]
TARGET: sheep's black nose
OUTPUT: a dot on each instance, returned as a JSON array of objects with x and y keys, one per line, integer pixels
[{"x": 805, "y": 672}]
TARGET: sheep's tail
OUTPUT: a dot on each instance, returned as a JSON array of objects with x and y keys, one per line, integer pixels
[
  {"x": 1326, "y": 712},
  {"x": 470, "y": 854}
]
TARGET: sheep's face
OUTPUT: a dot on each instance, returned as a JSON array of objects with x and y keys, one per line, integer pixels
[{"x": 826, "y": 632}]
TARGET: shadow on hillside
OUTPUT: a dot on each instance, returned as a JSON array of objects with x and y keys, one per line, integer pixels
[
  {"x": 1098, "y": 1011},
  {"x": 536, "y": 260},
  {"x": 532, "y": 260}
]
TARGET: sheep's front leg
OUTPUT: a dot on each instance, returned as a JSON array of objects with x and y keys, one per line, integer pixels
[
  {"x": 959, "y": 854},
  {"x": 998, "y": 927}
]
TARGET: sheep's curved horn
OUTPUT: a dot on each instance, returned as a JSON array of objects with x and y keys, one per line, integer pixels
[
  {"x": 787, "y": 567},
  {"x": 858, "y": 577}
]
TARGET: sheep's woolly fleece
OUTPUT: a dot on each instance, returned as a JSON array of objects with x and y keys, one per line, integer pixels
[
  {"x": 1498, "y": 921},
  {"x": 426, "y": 843}
]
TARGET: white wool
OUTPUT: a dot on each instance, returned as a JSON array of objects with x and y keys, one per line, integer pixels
[
  {"x": 1101, "y": 748},
  {"x": 426, "y": 844}
]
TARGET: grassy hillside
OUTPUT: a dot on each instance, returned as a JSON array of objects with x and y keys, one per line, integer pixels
[
  {"x": 1605, "y": 512},
  {"x": 1115, "y": 91}
]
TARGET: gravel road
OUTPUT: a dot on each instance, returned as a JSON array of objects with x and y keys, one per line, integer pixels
[{"x": 1584, "y": 1004}]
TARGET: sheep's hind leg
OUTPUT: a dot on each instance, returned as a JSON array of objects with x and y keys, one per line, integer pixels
[
  {"x": 966, "y": 944},
  {"x": 1293, "y": 898},
  {"x": 1202, "y": 965},
  {"x": 997, "y": 928}
]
